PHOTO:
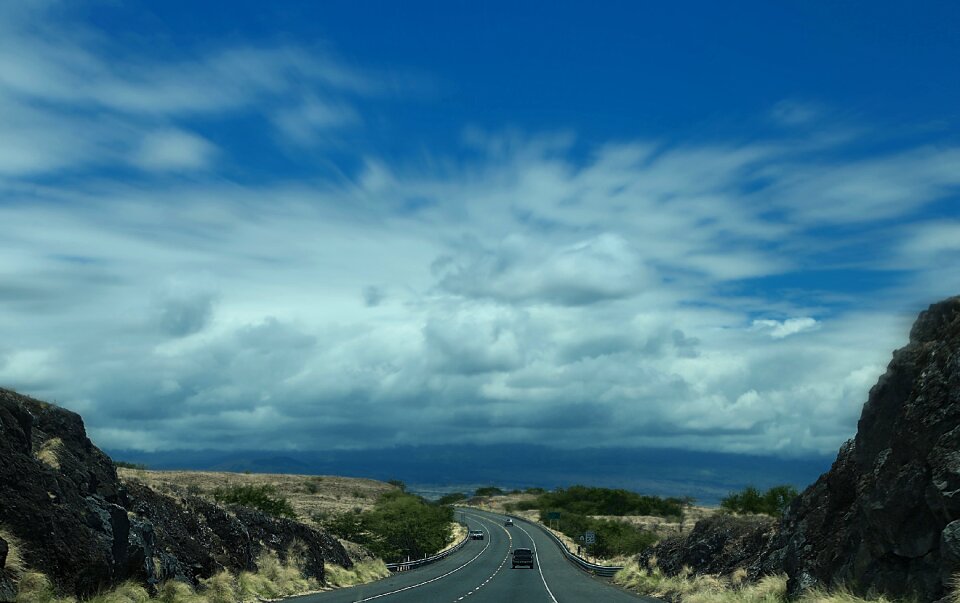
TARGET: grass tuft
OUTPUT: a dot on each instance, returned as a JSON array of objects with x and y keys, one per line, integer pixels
[
  {"x": 14, "y": 564},
  {"x": 34, "y": 587},
  {"x": 49, "y": 453},
  {"x": 694, "y": 588},
  {"x": 174, "y": 591},
  {"x": 274, "y": 579},
  {"x": 128, "y": 592},
  {"x": 220, "y": 588},
  {"x": 361, "y": 573}
]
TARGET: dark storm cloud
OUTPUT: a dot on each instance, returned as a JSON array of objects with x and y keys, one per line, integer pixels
[
  {"x": 180, "y": 317},
  {"x": 372, "y": 296}
]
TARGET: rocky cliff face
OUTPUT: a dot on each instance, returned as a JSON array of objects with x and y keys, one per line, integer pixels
[
  {"x": 886, "y": 517},
  {"x": 61, "y": 499}
]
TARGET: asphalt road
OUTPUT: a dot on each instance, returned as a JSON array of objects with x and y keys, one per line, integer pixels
[{"x": 480, "y": 572}]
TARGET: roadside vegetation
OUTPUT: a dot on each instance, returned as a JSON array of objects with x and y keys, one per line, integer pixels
[
  {"x": 585, "y": 500},
  {"x": 488, "y": 491},
  {"x": 274, "y": 579},
  {"x": 613, "y": 538},
  {"x": 452, "y": 498},
  {"x": 400, "y": 525},
  {"x": 773, "y": 502},
  {"x": 688, "y": 587},
  {"x": 263, "y": 498},
  {"x": 575, "y": 510},
  {"x": 310, "y": 495}
]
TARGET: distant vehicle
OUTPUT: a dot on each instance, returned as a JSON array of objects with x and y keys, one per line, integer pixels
[
  {"x": 508, "y": 522},
  {"x": 476, "y": 534},
  {"x": 522, "y": 557}
]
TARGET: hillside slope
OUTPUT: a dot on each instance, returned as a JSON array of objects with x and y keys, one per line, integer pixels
[{"x": 71, "y": 518}]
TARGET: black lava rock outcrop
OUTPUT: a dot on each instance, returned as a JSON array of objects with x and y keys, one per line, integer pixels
[
  {"x": 77, "y": 523},
  {"x": 8, "y": 590},
  {"x": 886, "y": 517},
  {"x": 716, "y": 545}
]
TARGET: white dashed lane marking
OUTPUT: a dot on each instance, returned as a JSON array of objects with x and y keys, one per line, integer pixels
[
  {"x": 425, "y": 582},
  {"x": 502, "y": 563}
]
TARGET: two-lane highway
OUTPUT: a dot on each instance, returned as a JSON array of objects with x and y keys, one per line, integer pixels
[{"x": 481, "y": 572}]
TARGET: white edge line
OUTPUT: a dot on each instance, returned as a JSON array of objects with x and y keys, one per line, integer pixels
[{"x": 539, "y": 567}]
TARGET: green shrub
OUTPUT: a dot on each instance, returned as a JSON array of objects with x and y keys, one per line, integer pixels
[
  {"x": 263, "y": 498},
  {"x": 399, "y": 525},
  {"x": 614, "y": 538},
  {"x": 488, "y": 491},
  {"x": 453, "y": 497},
  {"x": 750, "y": 500},
  {"x": 525, "y": 505},
  {"x": 584, "y": 500}
]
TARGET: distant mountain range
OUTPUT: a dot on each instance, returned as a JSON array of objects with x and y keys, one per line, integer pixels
[{"x": 431, "y": 470}]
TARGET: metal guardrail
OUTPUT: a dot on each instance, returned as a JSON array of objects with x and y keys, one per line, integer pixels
[
  {"x": 599, "y": 570},
  {"x": 406, "y": 565}
]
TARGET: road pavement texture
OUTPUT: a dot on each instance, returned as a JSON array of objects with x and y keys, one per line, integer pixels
[{"x": 480, "y": 572}]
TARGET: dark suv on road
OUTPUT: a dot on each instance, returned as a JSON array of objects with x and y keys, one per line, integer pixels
[{"x": 522, "y": 557}]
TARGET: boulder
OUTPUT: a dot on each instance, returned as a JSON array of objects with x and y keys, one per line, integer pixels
[{"x": 718, "y": 544}]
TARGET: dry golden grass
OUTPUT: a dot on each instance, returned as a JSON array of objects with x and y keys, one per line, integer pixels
[
  {"x": 14, "y": 564},
  {"x": 664, "y": 527},
  {"x": 49, "y": 453},
  {"x": 457, "y": 534},
  {"x": 273, "y": 580},
  {"x": 310, "y": 495},
  {"x": 361, "y": 573},
  {"x": 34, "y": 587},
  {"x": 688, "y": 587}
]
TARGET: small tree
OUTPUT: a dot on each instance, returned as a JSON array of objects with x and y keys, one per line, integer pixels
[
  {"x": 262, "y": 498},
  {"x": 488, "y": 491},
  {"x": 449, "y": 499},
  {"x": 750, "y": 500}
]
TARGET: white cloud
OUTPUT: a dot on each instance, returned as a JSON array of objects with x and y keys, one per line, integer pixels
[
  {"x": 778, "y": 329},
  {"x": 306, "y": 122},
  {"x": 867, "y": 190},
  {"x": 174, "y": 150},
  {"x": 601, "y": 268},
  {"x": 527, "y": 290},
  {"x": 930, "y": 242},
  {"x": 793, "y": 113},
  {"x": 71, "y": 99}
]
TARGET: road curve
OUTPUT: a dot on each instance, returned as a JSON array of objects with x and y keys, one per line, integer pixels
[{"x": 480, "y": 572}]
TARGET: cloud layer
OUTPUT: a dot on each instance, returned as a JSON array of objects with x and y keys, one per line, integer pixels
[{"x": 716, "y": 295}]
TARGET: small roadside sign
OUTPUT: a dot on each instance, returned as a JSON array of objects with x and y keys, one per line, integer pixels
[
  {"x": 590, "y": 537},
  {"x": 553, "y": 515}
]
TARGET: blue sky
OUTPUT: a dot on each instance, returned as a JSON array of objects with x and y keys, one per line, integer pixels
[{"x": 340, "y": 224}]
